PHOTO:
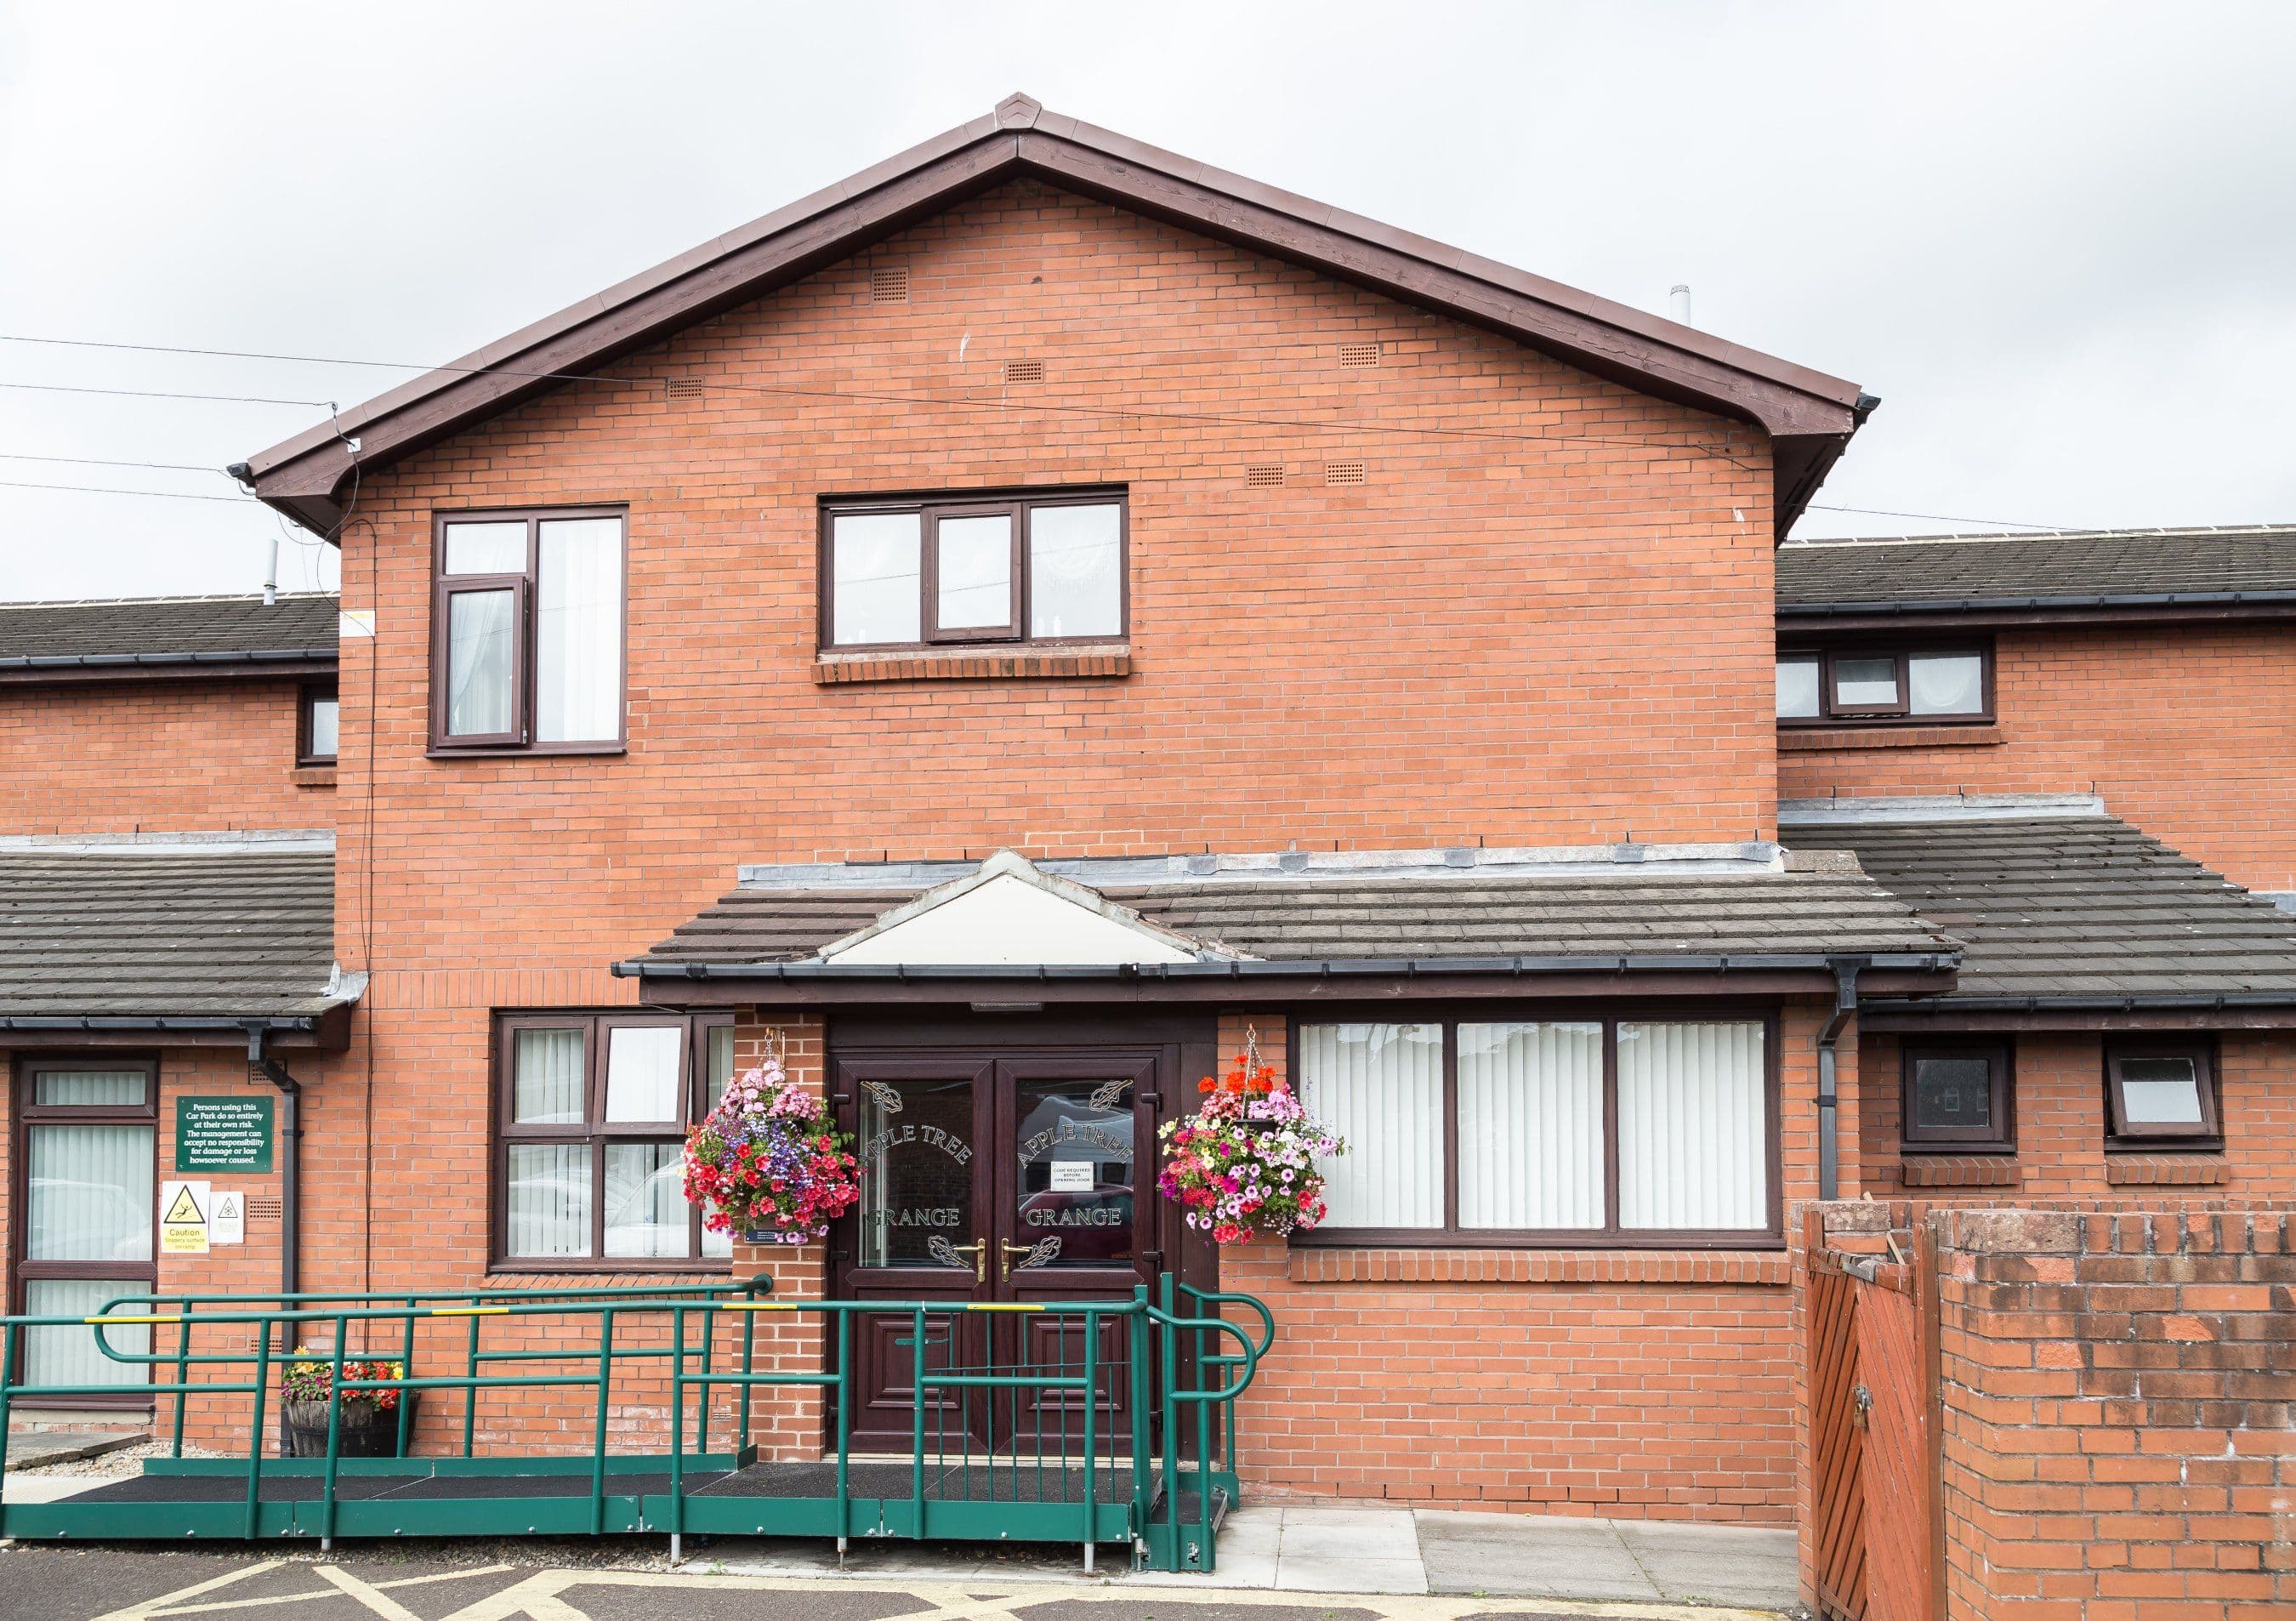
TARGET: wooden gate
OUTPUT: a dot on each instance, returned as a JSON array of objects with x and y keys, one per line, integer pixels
[{"x": 1871, "y": 1360}]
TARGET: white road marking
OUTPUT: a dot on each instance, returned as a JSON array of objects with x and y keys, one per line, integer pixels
[
  {"x": 381, "y": 1603},
  {"x": 140, "y": 1612}
]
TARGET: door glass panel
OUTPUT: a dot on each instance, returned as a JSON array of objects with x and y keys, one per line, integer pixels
[
  {"x": 1073, "y": 1182},
  {"x": 90, "y": 1193},
  {"x": 916, "y": 1183},
  {"x": 70, "y": 1356}
]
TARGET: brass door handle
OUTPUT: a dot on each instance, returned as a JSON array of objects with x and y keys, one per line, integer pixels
[
  {"x": 941, "y": 1247},
  {"x": 1005, "y": 1267}
]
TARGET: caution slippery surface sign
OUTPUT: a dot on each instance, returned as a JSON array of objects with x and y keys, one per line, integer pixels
[{"x": 184, "y": 1218}]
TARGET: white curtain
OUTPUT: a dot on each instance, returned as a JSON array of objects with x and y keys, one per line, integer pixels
[
  {"x": 645, "y": 1202},
  {"x": 70, "y": 1356},
  {"x": 877, "y": 588},
  {"x": 479, "y": 646},
  {"x": 1693, "y": 1139},
  {"x": 1076, "y": 571},
  {"x": 1531, "y": 1125},
  {"x": 91, "y": 1193},
  {"x": 89, "y": 1088},
  {"x": 549, "y": 1199},
  {"x": 547, "y": 1078},
  {"x": 644, "y": 1064},
  {"x": 1381, "y": 1086},
  {"x": 578, "y": 632}
]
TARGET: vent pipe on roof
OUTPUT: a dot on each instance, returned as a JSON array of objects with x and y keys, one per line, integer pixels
[
  {"x": 1677, "y": 303},
  {"x": 271, "y": 577}
]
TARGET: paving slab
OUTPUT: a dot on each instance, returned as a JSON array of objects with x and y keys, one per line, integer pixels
[
  {"x": 1539, "y": 1555},
  {"x": 1317, "y": 1572},
  {"x": 31, "y": 1448},
  {"x": 1745, "y": 1565}
]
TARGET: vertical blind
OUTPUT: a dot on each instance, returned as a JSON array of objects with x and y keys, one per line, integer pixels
[
  {"x": 1531, "y": 1125},
  {"x": 577, "y": 647},
  {"x": 110, "y": 1088},
  {"x": 1381, "y": 1086},
  {"x": 70, "y": 1356},
  {"x": 90, "y": 1193},
  {"x": 549, "y": 1199},
  {"x": 546, "y": 1077},
  {"x": 1693, "y": 1138}
]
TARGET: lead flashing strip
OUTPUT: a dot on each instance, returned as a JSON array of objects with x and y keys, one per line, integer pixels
[
  {"x": 296, "y": 841},
  {"x": 1884, "y": 810}
]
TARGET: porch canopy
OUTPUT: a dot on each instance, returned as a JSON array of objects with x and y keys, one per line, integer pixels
[{"x": 1005, "y": 932}]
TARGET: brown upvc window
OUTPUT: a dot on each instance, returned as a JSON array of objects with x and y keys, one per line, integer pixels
[
  {"x": 1956, "y": 1098},
  {"x": 590, "y": 1112},
  {"x": 1044, "y": 568},
  {"x": 2162, "y": 1094},
  {"x": 528, "y": 631},
  {"x": 1863, "y": 685},
  {"x": 1547, "y": 1131},
  {"x": 318, "y": 725}
]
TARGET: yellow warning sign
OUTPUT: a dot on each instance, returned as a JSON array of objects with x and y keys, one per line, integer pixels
[{"x": 183, "y": 1218}]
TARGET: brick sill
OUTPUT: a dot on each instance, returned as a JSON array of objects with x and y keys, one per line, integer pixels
[
  {"x": 313, "y": 776},
  {"x": 2201, "y": 1170},
  {"x": 1316, "y": 1265},
  {"x": 843, "y": 669},
  {"x": 1794, "y": 739},
  {"x": 1960, "y": 1171}
]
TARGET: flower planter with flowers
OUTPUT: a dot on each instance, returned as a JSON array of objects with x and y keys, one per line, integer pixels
[
  {"x": 1243, "y": 1164},
  {"x": 368, "y": 1427},
  {"x": 769, "y": 1164}
]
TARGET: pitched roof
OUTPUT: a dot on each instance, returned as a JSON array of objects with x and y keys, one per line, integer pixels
[
  {"x": 2060, "y": 571},
  {"x": 1471, "y": 922},
  {"x": 1809, "y": 416},
  {"x": 171, "y": 634},
  {"x": 194, "y": 933},
  {"x": 2073, "y": 911}
]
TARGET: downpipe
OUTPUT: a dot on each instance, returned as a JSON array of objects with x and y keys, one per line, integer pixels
[
  {"x": 1846, "y": 970},
  {"x": 290, "y": 1176}
]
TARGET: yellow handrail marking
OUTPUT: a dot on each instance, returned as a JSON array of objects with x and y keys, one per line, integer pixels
[
  {"x": 126, "y": 1319},
  {"x": 469, "y": 1310},
  {"x": 1002, "y": 1306}
]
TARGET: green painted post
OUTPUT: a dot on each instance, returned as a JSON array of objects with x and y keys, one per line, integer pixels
[
  {"x": 182, "y": 1370},
  {"x": 1091, "y": 1401},
  {"x": 844, "y": 1427},
  {"x": 741, "y": 1442},
  {"x": 709, "y": 1391},
  {"x": 405, "y": 1370},
  {"x": 255, "y": 1436},
  {"x": 598, "y": 1445},
  {"x": 678, "y": 1431},
  {"x": 917, "y": 1429},
  {"x": 10, "y": 1340},
  {"x": 470, "y": 1394},
  {"x": 1136, "y": 1344},
  {"x": 334, "y": 1437},
  {"x": 1167, "y": 1341}
]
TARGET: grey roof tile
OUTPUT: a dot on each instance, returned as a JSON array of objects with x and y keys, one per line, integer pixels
[
  {"x": 220, "y": 628},
  {"x": 2071, "y": 568},
  {"x": 2074, "y": 906},
  {"x": 216, "y": 934}
]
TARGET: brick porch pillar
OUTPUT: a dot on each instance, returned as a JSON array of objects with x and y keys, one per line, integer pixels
[{"x": 786, "y": 1422}]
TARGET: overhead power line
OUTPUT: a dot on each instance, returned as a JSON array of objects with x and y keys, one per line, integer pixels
[
  {"x": 157, "y": 495},
  {"x": 60, "y": 387},
  {"x": 1935, "y": 517}
]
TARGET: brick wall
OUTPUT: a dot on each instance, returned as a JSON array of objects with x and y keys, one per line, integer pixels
[
  {"x": 155, "y": 756},
  {"x": 2059, "y": 1107},
  {"x": 2184, "y": 730}
]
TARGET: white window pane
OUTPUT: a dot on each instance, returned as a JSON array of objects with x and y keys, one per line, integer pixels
[
  {"x": 1797, "y": 688},
  {"x": 972, "y": 564},
  {"x": 89, "y": 1088},
  {"x": 547, "y": 1078},
  {"x": 646, "y": 1213},
  {"x": 549, "y": 1199},
  {"x": 876, "y": 586},
  {"x": 1076, "y": 571},
  {"x": 1531, "y": 1125},
  {"x": 1381, "y": 1086},
  {"x": 644, "y": 1062},
  {"x": 1946, "y": 684},
  {"x": 90, "y": 1193},
  {"x": 717, "y": 1069},
  {"x": 479, "y": 644},
  {"x": 2159, "y": 1091},
  {"x": 486, "y": 548},
  {"x": 1865, "y": 683},
  {"x": 578, "y": 632},
  {"x": 1693, "y": 1136},
  {"x": 71, "y": 1356},
  {"x": 326, "y": 725}
]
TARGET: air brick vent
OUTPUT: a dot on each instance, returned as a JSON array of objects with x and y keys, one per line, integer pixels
[
  {"x": 1024, "y": 371},
  {"x": 1343, "y": 473},
  {"x": 683, "y": 388},
  {"x": 1264, "y": 476},
  {"x": 1358, "y": 354},
  {"x": 889, "y": 284}
]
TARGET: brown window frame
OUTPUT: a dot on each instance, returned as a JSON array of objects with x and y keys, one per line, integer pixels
[
  {"x": 2207, "y": 1134},
  {"x": 594, "y": 1131},
  {"x": 931, "y": 510},
  {"x": 1610, "y": 1235},
  {"x": 2000, "y": 1138},
  {"x": 523, "y": 589},
  {"x": 311, "y": 694},
  {"x": 1830, "y": 714},
  {"x": 22, "y": 1270}
]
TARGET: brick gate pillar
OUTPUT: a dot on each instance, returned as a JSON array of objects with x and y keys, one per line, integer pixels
[{"x": 786, "y": 1422}]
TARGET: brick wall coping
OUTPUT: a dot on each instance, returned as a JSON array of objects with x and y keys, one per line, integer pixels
[{"x": 1516, "y": 1266}]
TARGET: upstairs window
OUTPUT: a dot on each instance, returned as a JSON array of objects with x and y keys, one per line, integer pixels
[
  {"x": 1956, "y": 1098},
  {"x": 959, "y": 569},
  {"x": 1865, "y": 685},
  {"x": 526, "y": 636},
  {"x": 318, "y": 726},
  {"x": 2160, "y": 1094}
]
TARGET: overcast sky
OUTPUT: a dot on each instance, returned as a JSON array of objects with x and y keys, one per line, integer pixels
[{"x": 2057, "y": 241}]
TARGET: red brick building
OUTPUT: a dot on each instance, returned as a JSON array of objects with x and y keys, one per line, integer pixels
[{"x": 1017, "y": 625}]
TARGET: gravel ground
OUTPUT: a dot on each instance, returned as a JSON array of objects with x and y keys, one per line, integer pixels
[{"x": 107, "y": 1466}]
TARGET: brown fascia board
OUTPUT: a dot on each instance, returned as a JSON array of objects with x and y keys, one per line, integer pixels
[
  {"x": 61, "y": 671},
  {"x": 1803, "y": 620},
  {"x": 1808, "y": 415}
]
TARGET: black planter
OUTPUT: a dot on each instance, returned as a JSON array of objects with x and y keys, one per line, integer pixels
[{"x": 364, "y": 1431}]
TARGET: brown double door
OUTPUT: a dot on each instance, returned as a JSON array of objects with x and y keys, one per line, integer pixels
[{"x": 995, "y": 1179}]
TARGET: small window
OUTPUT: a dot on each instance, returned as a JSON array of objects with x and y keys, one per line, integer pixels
[
  {"x": 527, "y": 632},
  {"x": 1867, "y": 685},
  {"x": 592, "y": 1117},
  {"x": 2160, "y": 1093},
  {"x": 1024, "y": 569},
  {"x": 1956, "y": 1098},
  {"x": 318, "y": 727}
]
